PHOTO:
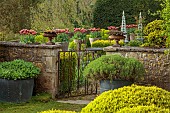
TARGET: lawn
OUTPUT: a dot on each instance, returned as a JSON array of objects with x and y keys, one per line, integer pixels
[{"x": 37, "y": 104}]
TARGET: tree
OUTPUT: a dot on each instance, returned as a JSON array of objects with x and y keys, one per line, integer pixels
[
  {"x": 61, "y": 14},
  {"x": 109, "y": 12},
  {"x": 166, "y": 16},
  {"x": 15, "y": 14}
]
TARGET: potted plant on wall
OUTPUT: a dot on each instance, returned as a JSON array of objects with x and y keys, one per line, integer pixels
[
  {"x": 79, "y": 35},
  {"x": 63, "y": 36},
  {"x": 94, "y": 35},
  {"x": 17, "y": 80},
  {"x": 114, "y": 71},
  {"x": 131, "y": 30},
  {"x": 27, "y": 36}
]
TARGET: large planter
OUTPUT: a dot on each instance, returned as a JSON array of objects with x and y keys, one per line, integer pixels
[
  {"x": 106, "y": 85},
  {"x": 16, "y": 90},
  {"x": 50, "y": 36}
]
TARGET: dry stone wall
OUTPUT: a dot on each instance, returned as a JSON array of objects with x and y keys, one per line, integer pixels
[
  {"x": 43, "y": 56},
  {"x": 156, "y": 62}
]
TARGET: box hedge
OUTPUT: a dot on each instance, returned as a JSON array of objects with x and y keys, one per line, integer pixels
[
  {"x": 114, "y": 67},
  {"x": 144, "y": 109},
  {"x": 105, "y": 43},
  {"x": 129, "y": 96}
]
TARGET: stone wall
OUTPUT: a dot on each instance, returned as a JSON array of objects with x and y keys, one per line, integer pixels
[
  {"x": 157, "y": 64},
  {"x": 43, "y": 56}
]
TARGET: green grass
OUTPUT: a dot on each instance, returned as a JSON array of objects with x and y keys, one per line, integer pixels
[{"x": 37, "y": 104}]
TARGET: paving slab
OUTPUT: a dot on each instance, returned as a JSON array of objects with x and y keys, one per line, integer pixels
[{"x": 75, "y": 101}]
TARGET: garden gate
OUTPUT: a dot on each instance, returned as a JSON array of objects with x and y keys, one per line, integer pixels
[{"x": 71, "y": 81}]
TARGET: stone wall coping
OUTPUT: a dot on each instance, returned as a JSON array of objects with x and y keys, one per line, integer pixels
[
  {"x": 134, "y": 49},
  {"x": 94, "y": 49},
  {"x": 17, "y": 44}
]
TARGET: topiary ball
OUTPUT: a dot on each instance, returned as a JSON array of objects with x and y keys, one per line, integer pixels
[
  {"x": 57, "y": 111},
  {"x": 144, "y": 109},
  {"x": 128, "y": 96}
]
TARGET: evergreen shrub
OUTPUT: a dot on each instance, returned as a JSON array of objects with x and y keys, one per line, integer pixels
[
  {"x": 153, "y": 26},
  {"x": 105, "y": 43},
  {"x": 129, "y": 96},
  {"x": 18, "y": 69},
  {"x": 74, "y": 46},
  {"x": 135, "y": 43},
  {"x": 154, "y": 32},
  {"x": 41, "y": 39},
  {"x": 102, "y": 43},
  {"x": 57, "y": 111},
  {"x": 109, "y": 12},
  {"x": 166, "y": 16},
  {"x": 104, "y": 34},
  {"x": 114, "y": 67},
  {"x": 144, "y": 109}
]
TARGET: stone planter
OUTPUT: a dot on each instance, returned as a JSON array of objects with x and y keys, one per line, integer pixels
[
  {"x": 106, "y": 85},
  {"x": 77, "y": 41},
  {"x": 132, "y": 36},
  {"x": 50, "y": 36},
  {"x": 92, "y": 40},
  {"x": 16, "y": 90},
  {"x": 64, "y": 45},
  {"x": 117, "y": 38}
]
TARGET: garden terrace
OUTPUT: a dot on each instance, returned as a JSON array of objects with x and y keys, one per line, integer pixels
[
  {"x": 46, "y": 57},
  {"x": 49, "y": 59},
  {"x": 156, "y": 63}
]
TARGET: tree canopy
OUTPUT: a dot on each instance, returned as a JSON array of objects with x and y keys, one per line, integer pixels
[{"x": 109, "y": 12}]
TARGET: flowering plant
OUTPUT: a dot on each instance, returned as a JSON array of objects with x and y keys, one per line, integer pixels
[
  {"x": 131, "y": 28},
  {"x": 94, "y": 29},
  {"x": 27, "y": 32},
  {"x": 79, "y": 33},
  {"x": 95, "y": 33},
  {"x": 112, "y": 28},
  {"x": 62, "y": 35},
  {"x": 27, "y": 36},
  {"x": 62, "y": 30}
]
